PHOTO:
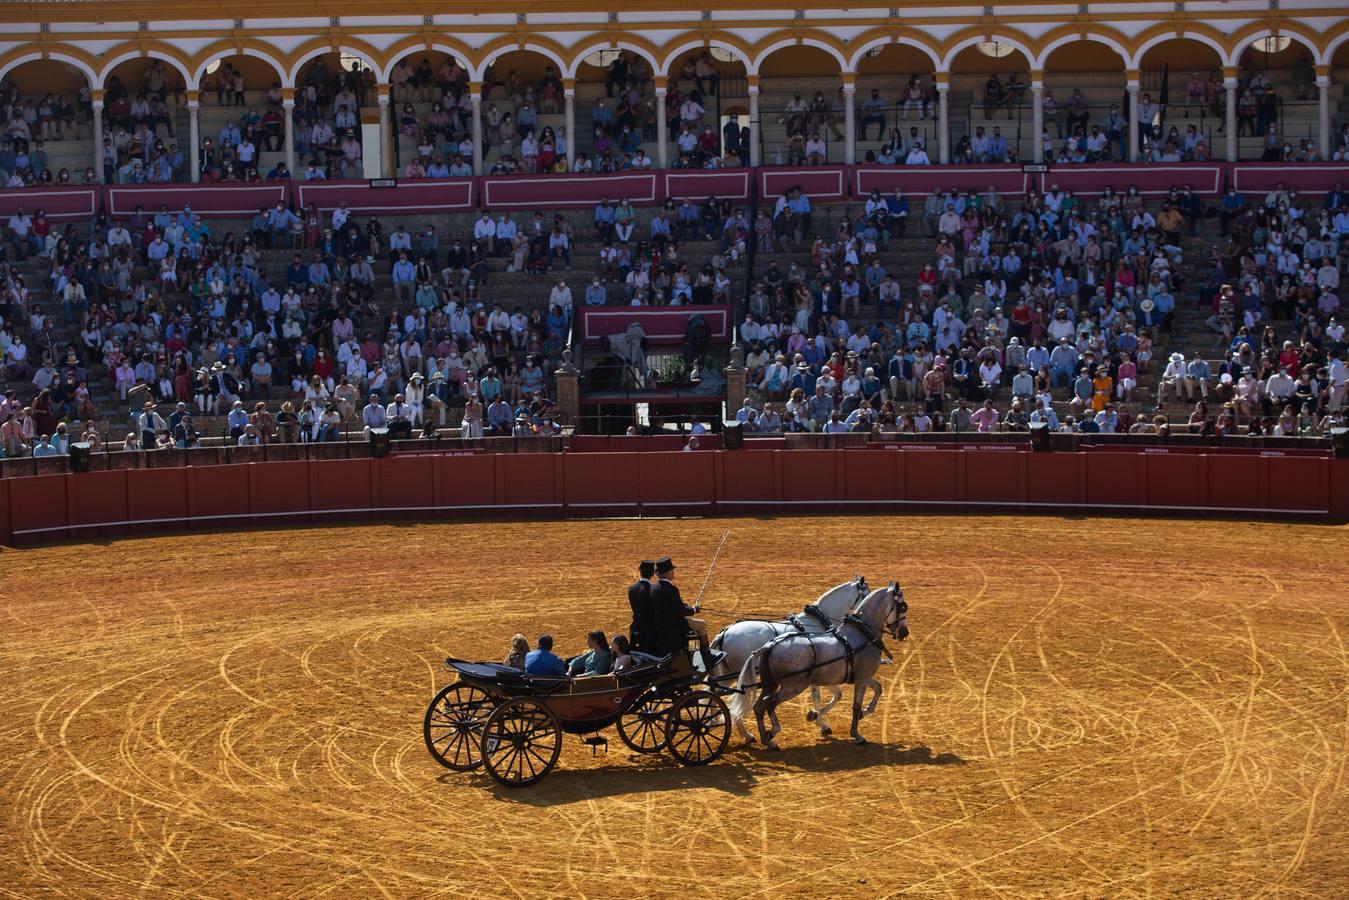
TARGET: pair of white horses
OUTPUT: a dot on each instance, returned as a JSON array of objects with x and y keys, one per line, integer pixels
[{"x": 835, "y": 642}]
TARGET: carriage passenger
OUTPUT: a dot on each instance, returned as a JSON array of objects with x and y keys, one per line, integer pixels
[
  {"x": 519, "y": 650},
  {"x": 542, "y": 661},
  {"x": 598, "y": 660},
  {"x": 623, "y": 659}
]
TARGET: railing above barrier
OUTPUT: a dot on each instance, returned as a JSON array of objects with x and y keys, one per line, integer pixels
[{"x": 528, "y": 192}]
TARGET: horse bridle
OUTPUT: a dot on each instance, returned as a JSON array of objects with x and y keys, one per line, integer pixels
[{"x": 901, "y": 608}]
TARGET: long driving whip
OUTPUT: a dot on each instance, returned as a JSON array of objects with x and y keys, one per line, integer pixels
[{"x": 724, "y": 535}]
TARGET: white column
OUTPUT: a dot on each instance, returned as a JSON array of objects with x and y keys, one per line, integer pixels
[
  {"x": 194, "y": 138},
  {"x": 569, "y": 98},
  {"x": 476, "y": 97},
  {"x": 1037, "y": 120},
  {"x": 288, "y": 112},
  {"x": 1323, "y": 114},
  {"x": 662, "y": 131},
  {"x": 944, "y": 122},
  {"x": 1132, "y": 87},
  {"x": 98, "y": 137},
  {"x": 849, "y": 123},
  {"x": 388, "y": 164},
  {"x": 1230, "y": 118},
  {"x": 754, "y": 155}
]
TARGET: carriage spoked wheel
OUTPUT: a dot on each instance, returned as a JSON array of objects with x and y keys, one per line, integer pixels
[
  {"x": 453, "y": 726},
  {"x": 521, "y": 742},
  {"x": 698, "y": 728},
  {"x": 642, "y": 727}
]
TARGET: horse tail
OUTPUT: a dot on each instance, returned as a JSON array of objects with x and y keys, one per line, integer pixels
[{"x": 748, "y": 684}]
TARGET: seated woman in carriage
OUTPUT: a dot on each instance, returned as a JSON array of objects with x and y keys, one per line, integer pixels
[{"x": 598, "y": 660}]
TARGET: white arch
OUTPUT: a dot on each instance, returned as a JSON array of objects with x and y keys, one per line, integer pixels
[
  {"x": 1294, "y": 36},
  {"x": 579, "y": 58},
  {"x": 1136, "y": 61},
  {"x": 698, "y": 44},
  {"x": 1335, "y": 45},
  {"x": 979, "y": 39},
  {"x": 1039, "y": 63},
  {"x": 116, "y": 61},
  {"x": 294, "y": 73},
  {"x": 276, "y": 64},
  {"x": 386, "y": 73},
  {"x": 38, "y": 55},
  {"x": 862, "y": 51},
  {"x": 804, "y": 42},
  {"x": 479, "y": 73}
]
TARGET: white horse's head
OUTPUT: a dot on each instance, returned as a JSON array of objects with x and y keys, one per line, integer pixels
[
  {"x": 843, "y": 598},
  {"x": 897, "y": 617}
]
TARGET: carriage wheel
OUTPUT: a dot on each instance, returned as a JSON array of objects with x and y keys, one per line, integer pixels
[
  {"x": 698, "y": 728},
  {"x": 521, "y": 742},
  {"x": 642, "y": 727},
  {"x": 454, "y": 723}
]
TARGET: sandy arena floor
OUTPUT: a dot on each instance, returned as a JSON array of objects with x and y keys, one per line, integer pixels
[{"x": 1094, "y": 707}]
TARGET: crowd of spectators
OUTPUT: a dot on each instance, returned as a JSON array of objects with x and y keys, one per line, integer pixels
[
  {"x": 1054, "y": 310},
  {"x": 174, "y": 312},
  {"x": 140, "y": 145},
  {"x": 1051, "y": 312}
]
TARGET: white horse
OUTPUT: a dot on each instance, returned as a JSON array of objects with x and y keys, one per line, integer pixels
[
  {"x": 787, "y": 665},
  {"x": 740, "y": 639}
]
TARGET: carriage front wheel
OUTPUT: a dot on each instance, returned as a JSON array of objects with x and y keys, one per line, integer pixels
[
  {"x": 642, "y": 727},
  {"x": 453, "y": 725},
  {"x": 698, "y": 728},
  {"x": 521, "y": 742}
]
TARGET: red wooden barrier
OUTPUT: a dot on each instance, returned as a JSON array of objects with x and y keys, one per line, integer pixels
[
  {"x": 1312, "y": 178},
  {"x": 406, "y": 198},
  {"x": 563, "y": 191},
  {"x": 623, "y": 483},
  {"x": 730, "y": 184},
  {"x": 228, "y": 201},
  {"x": 61, "y": 204},
  {"x": 821, "y": 183}
]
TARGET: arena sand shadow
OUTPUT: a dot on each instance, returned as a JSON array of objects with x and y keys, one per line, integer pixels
[{"x": 736, "y": 773}]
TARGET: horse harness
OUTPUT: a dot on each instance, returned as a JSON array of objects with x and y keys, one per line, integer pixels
[{"x": 849, "y": 651}]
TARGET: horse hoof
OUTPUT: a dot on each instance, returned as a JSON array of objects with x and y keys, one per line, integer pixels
[
  {"x": 859, "y": 740},
  {"x": 772, "y": 745},
  {"x": 812, "y": 715},
  {"x": 826, "y": 730}
]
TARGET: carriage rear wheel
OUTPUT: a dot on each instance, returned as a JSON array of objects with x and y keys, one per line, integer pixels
[
  {"x": 453, "y": 725},
  {"x": 642, "y": 727},
  {"x": 698, "y": 728},
  {"x": 521, "y": 742}
]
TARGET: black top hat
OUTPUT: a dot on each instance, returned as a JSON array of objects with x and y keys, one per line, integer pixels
[
  {"x": 664, "y": 565},
  {"x": 646, "y": 568}
]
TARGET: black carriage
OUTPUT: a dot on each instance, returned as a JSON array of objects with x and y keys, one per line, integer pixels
[{"x": 512, "y": 723}]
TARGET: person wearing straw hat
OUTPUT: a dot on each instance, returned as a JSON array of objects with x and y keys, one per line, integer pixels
[
  {"x": 149, "y": 423},
  {"x": 1175, "y": 378}
]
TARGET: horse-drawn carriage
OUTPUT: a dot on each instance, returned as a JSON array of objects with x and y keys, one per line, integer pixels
[{"x": 512, "y": 723}]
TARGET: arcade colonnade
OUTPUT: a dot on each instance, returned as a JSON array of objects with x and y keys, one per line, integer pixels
[{"x": 80, "y": 36}]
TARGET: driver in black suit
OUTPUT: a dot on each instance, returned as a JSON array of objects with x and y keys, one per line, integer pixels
[
  {"x": 673, "y": 620},
  {"x": 642, "y": 629}
]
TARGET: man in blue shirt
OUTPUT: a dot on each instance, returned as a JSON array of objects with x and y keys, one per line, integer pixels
[
  {"x": 800, "y": 204},
  {"x": 1231, "y": 206},
  {"x": 604, "y": 220},
  {"x": 543, "y": 661}
]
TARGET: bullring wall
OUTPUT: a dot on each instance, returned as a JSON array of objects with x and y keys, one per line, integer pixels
[{"x": 1006, "y": 479}]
